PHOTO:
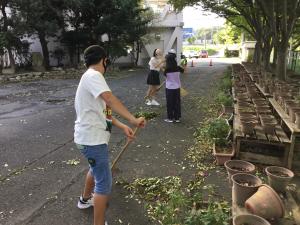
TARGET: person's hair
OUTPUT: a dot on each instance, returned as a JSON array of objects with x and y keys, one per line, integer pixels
[
  {"x": 154, "y": 52},
  {"x": 93, "y": 55},
  {"x": 171, "y": 62}
]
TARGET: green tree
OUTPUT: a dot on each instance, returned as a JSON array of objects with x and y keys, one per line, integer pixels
[
  {"x": 43, "y": 18},
  {"x": 191, "y": 40},
  {"x": 229, "y": 34},
  {"x": 271, "y": 23},
  {"x": 10, "y": 30},
  {"x": 125, "y": 22},
  {"x": 281, "y": 17}
]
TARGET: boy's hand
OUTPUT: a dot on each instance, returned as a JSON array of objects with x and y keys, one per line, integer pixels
[
  {"x": 139, "y": 122},
  {"x": 128, "y": 132}
]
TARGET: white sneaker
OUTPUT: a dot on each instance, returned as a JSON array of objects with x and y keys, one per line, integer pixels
[
  {"x": 105, "y": 223},
  {"x": 148, "y": 102},
  {"x": 168, "y": 121},
  {"x": 85, "y": 204},
  {"x": 154, "y": 102}
]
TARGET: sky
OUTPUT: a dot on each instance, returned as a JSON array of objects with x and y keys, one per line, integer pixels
[{"x": 196, "y": 18}]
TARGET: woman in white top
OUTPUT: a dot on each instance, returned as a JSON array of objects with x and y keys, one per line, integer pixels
[{"x": 156, "y": 63}]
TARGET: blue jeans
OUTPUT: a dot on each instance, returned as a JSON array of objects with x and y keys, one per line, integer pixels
[{"x": 97, "y": 156}]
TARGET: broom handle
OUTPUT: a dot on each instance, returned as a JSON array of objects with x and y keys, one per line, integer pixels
[
  {"x": 123, "y": 150},
  {"x": 156, "y": 90},
  {"x": 160, "y": 86}
]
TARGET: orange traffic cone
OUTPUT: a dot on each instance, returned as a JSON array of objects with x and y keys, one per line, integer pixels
[
  {"x": 210, "y": 62},
  {"x": 192, "y": 65}
]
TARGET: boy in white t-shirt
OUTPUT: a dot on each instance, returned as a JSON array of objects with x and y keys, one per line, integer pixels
[{"x": 94, "y": 103}]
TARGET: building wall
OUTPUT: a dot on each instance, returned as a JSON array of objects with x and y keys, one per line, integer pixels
[{"x": 168, "y": 29}]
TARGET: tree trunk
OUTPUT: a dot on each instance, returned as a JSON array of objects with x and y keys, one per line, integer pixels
[
  {"x": 281, "y": 63},
  {"x": 266, "y": 58},
  {"x": 138, "y": 48},
  {"x": 274, "y": 56},
  {"x": 11, "y": 58},
  {"x": 257, "y": 53},
  {"x": 5, "y": 29},
  {"x": 45, "y": 50}
]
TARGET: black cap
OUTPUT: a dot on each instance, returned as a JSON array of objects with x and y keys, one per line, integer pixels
[{"x": 93, "y": 54}]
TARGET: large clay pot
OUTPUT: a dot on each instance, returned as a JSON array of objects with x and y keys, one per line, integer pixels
[
  {"x": 238, "y": 166},
  {"x": 279, "y": 177},
  {"x": 244, "y": 186},
  {"x": 265, "y": 203},
  {"x": 249, "y": 220}
]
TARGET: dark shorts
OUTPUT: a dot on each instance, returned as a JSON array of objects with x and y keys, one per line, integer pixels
[{"x": 153, "y": 78}]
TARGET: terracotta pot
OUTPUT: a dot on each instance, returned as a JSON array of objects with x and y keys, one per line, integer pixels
[
  {"x": 259, "y": 101},
  {"x": 271, "y": 89},
  {"x": 244, "y": 186},
  {"x": 287, "y": 104},
  {"x": 221, "y": 158},
  {"x": 268, "y": 124},
  {"x": 243, "y": 100},
  {"x": 247, "y": 115},
  {"x": 244, "y": 104},
  {"x": 279, "y": 177},
  {"x": 247, "y": 126},
  {"x": 249, "y": 220},
  {"x": 238, "y": 166},
  {"x": 292, "y": 111},
  {"x": 266, "y": 89},
  {"x": 245, "y": 109},
  {"x": 267, "y": 117},
  {"x": 263, "y": 109},
  {"x": 265, "y": 203}
]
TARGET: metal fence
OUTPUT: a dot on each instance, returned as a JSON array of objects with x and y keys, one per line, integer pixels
[{"x": 294, "y": 61}]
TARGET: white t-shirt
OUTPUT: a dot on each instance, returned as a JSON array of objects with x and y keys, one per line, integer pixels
[
  {"x": 154, "y": 62},
  {"x": 94, "y": 119}
]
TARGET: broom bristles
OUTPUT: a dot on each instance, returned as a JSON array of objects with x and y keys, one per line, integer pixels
[{"x": 183, "y": 92}]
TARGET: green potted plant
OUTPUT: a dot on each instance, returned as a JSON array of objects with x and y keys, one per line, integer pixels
[
  {"x": 226, "y": 84},
  {"x": 218, "y": 132},
  {"x": 226, "y": 101}
]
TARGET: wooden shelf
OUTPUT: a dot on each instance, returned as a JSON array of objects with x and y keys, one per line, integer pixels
[
  {"x": 285, "y": 118},
  {"x": 260, "y": 135},
  {"x": 266, "y": 95}
]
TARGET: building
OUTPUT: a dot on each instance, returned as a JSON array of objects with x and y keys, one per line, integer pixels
[
  {"x": 169, "y": 25},
  {"x": 167, "y": 30}
]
